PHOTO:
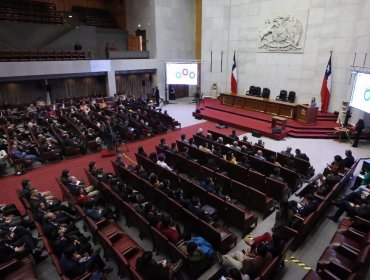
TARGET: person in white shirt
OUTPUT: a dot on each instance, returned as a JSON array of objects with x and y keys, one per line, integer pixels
[{"x": 161, "y": 162}]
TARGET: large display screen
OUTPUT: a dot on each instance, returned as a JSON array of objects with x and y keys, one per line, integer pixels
[
  {"x": 361, "y": 92},
  {"x": 182, "y": 73}
]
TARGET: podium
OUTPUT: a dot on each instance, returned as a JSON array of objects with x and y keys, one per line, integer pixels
[{"x": 306, "y": 115}]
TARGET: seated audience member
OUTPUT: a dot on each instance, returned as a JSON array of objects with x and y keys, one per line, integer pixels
[
  {"x": 168, "y": 229},
  {"x": 163, "y": 144},
  {"x": 336, "y": 166},
  {"x": 349, "y": 160},
  {"x": 320, "y": 185},
  {"x": 220, "y": 140},
  {"x": 275, "y": 174},
  {"x": 287, "y": 152},
  {"x": 149, "y": 269},
  {"x": 92, "y": 168},
  {"x": 205, "y": 212},
  {"x": 274, "y": 243},
  {"x": 19, "y": 248},
  {"x": 273, "y": 160},
  {"x": 209, "y": 136},
  {"x": 360, "y": 181},
  {"x": 9, "y": 209},
  {"x": 217, "y": 151},
  {"x": 306, "y": 207},
  {"x": 27, "y": 191},
  {"x": 153, "y": 157},
  {"x": 185, "y": 153},
  {"x": 204, "y": 148},
  {"x": 173, "y": 148},
  {"x": 3, "y": 161},
  {"x": 364, "y": 188},
  {"x": 161, "y": 162},
  {"x": 233, "y": 135},
  {"x": 141, "y": 151},
  {"x": 74, "y": 264},
  {"x": 154, "y": 181},
  {"x": 208, "y": 185},
  {"x": 260, "y": 143},
  {"x": 355, "y": 204},
  {"x": 235, "y": 146},
  {"x": 98, "y": 211},
  {"x": 76, "y": 186},
  {"x": 259, "y": 155},
  {"x": 244, "y": 162},
  {"x": 230, "y": 157},
  {"x": 299, "y": 154},
  {"x": 196, "y": 248},
  {"x": 245, "y": 139},
  {"x": 183, "y": 138},
  {"x": 191, "y": 143},
  {"x": 251, "y": 264},
  {"x": 119, "y": 160},
  {"x": 200, "y": 132},
  {"x": 150, "y": 213},
  {"x": 18, "y": 154}
]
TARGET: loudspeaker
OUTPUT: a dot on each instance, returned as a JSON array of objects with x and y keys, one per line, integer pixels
[
  {"x": 256, "y": 134},
  {"x": 276, "y": 130}
]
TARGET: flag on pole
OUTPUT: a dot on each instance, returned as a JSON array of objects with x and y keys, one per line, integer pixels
[
  {"x": 326, "y": 88},
  {"x": 234, "y": 78}
]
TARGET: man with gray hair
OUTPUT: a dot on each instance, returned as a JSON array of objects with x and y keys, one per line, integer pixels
[{"x": 288, "y": 152}]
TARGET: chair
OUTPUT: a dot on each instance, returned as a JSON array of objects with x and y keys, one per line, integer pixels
[
  {"x": 251, "y": 90},
  {"x": 282, "y": 96},
  {"x": 266, "y": 93},
  {"x": 257, "y": 91},
  {"x": 291, "y": 96}
]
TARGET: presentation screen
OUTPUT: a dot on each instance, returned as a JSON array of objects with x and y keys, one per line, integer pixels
[
  {"x": 361, "y": 92},
  {"x": 182, "y": 73}
]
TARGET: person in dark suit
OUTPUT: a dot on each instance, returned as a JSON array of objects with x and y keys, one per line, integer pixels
[
  {"x": 156, "y": 96},
  {"x": 74, "y": 264},
  {"x": 109, "y": 135},
  {"x": 359, "y": 127}
]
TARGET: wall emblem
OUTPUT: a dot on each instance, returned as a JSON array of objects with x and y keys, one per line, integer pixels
[{"x": 281, "y": 34}]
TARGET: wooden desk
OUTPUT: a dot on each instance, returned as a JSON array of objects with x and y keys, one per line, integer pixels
[
  {"x": 264, "y": 105},
  {"x": 278, "y": 120},
  {"x": 341, "y": 131},
  {"x": 306, "y": 114}
]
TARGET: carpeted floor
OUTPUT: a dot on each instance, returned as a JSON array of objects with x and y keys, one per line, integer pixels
[
  {"x": 213, "y": 110},
  {"x": 43, "y": 177}
]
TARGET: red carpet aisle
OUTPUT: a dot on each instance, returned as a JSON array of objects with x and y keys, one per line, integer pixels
[
  {"x": 213, "y": 110},
  {"x": 43, "y": 178}
]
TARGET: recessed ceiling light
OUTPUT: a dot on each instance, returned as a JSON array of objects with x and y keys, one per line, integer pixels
[{"x": 70, "y": 16}]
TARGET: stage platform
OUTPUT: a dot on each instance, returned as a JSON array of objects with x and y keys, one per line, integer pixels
[{"x": 213, "y": 110}]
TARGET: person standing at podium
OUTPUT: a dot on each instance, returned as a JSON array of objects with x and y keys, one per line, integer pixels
[{"x": 313, "y": 103}]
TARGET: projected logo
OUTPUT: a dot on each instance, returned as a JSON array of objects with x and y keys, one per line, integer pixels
[
  {"x": 367, "y": 94},
  {"x": 185, "y": 73}
]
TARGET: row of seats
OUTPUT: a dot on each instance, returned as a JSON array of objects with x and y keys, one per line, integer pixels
[
  {"x": 49, "y": 18},
  {"x": 161, "y": 244},
  {"x": 29, "y": 11},
  {"x": 27, "y": 5},
  {"x": 40, "y": 55},
  {"x": 302, "y": 167},
  {"x": 308, "y": 223},
  {"x": 96, "y": 17},
  {"x": 117, "y": 244},
  {"x": 265, "y": 93},
  {"x": 347, "y": 255},
  {"x": 270, "y": 187}
]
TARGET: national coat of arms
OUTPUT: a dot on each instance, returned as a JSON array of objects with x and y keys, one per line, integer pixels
[{"x": 281, "y": 34}]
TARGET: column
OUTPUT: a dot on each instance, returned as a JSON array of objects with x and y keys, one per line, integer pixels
[{"x": 111, "y": 83}]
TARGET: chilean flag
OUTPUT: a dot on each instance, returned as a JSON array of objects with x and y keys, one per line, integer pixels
[
  {"x": 234, "y": 78},
  {"x": 326, "y": 87}
]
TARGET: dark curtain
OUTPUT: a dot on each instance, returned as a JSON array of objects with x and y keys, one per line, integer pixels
[
  {"x": 135, "y": 84},
  {"x": 26, "y": 92}
]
